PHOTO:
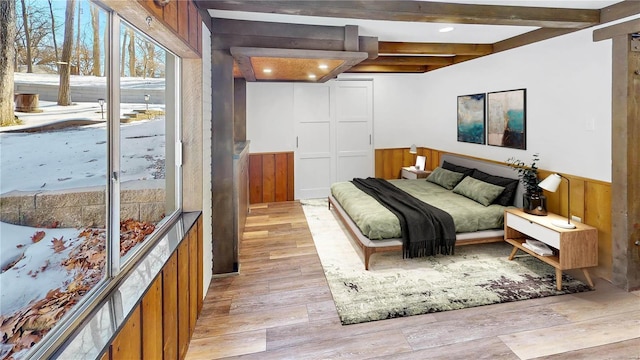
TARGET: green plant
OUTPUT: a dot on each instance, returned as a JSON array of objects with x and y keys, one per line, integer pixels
[{"x": 528, "y": 174}]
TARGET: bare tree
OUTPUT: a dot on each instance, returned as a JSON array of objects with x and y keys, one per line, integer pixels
[
  {"x": 95, "y": 25},
  {"x": 132, "y": 53},
  {"x": 27, "y": 36},
  {"x": 7, "y": 56},
  {"x": 64, "y": 91},
  {"x": 53, "y": 35},
  {"x": 122, "y": 53}
]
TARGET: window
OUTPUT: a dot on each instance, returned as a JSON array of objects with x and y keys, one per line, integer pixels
[{"x": 88, "y": 176}]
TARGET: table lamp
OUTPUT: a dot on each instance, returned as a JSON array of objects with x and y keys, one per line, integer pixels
[{"x": 551, "y": 183}]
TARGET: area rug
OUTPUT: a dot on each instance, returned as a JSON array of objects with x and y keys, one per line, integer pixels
[{"x": 394, "y": 287}]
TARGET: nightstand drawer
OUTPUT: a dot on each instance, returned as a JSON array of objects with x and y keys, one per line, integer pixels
[{"x": 538, "y": 232}]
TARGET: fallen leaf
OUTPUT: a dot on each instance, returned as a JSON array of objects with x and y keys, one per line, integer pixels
[
  {"x": 39, "y": 235},
  {"x": 58, "y": 244}
]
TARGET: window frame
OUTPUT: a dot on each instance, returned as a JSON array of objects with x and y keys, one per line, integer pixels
[{"x": 117, "y": 270}]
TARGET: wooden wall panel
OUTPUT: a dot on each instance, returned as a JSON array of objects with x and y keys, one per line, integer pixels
[
  {"x": 271, "y": 177},
  {"x": 193, "y": 278},
  {"x": 170, "y": 15},
  {"x": 200, "y": 288},
  {"x": 183, "y": 298},
  {"x": 183, "y": 19},
  {"x": 128, "y": 344},
  {"x": 388, "y": 162},
  {"x": 268, "y": 178},
  {"x": 598, "y": 209},
  {"x": 590, "y": 199},
  {"x": 255, "y": 178},
  {"x": 281, "y": 170},
  {"x": 170, "y": 308},
  {"x": 152, "y": 321}
]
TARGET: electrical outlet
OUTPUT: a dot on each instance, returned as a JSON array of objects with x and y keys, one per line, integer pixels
[{"x": 576, "y": 219}]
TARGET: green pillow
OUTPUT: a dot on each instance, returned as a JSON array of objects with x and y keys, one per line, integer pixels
[
  {"x": 445, "y": 178},
  {"x": 478, "y": 190}
]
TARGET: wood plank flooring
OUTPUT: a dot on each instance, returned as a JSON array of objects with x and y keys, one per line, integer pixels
[{"x": 280, "y": 307}]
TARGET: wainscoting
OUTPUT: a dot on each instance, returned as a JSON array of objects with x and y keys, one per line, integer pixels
[
  {"x": 590, "y": 199},
  {"x": 162, "y": 323},
  {"x": 271, "y": 177}
]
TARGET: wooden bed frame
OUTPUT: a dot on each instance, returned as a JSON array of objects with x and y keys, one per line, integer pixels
[{"x": 370, "y": 247}]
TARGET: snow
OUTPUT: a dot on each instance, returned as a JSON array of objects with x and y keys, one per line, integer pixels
[
  {"x": 27, "y": 281},
  {"x": 68, "y": 158}
]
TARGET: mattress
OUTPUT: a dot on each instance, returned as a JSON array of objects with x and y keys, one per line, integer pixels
[{"x": 377, "y": 222}]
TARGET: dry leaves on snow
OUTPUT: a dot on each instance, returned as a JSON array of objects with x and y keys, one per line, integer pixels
[{"x": 86, "y": 264}]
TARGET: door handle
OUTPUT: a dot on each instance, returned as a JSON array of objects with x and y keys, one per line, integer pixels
[{"x": 296, "y": 142}]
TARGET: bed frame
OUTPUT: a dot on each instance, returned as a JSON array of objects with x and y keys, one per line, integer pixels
[{"x": 370, "y": 247}]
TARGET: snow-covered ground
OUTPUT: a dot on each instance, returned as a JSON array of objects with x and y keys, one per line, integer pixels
[
  {"x": 75, "y": 156},
  {"x": 70, "y": 157}
]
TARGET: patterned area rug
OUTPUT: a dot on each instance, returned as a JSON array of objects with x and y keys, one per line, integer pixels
[{"x": 394, "y": 287}]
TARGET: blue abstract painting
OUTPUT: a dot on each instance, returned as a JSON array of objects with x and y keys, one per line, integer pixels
[
  {"x": 471, "y": 115},
  {"x": 506, "y": 118}
]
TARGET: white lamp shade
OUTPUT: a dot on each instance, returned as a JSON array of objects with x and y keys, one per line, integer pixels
[
  {"x": 551, "y": 183},
  {"x": 413, "y": 149}
]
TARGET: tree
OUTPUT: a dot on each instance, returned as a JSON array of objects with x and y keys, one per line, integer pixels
[
  {"x": 132, "y": 53},
  {"x": 122, "y": 53},
  {"x": 53, "y": 34},
  {"x": 7, "y": 57},
  {"x": 27, "y": 37},
  {"x": 64, "y": 91},
  {"x": 95, "y": 25}
]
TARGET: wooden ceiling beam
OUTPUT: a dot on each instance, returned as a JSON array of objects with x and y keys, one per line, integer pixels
[
  {"x": 410, "y": 60},
  {"x": 389, "y": 47},
  {"x": 418, "y": 11},
  {"x": 388, "y": 69}
]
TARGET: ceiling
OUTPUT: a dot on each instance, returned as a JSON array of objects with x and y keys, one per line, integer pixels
[{"x": 408, "y": 32}]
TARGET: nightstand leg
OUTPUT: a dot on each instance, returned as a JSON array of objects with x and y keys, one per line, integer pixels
[
  {"x": 586, "y": 274},
  {"x": 559, "y": 279},
  {"x": 513, "y": 253}
]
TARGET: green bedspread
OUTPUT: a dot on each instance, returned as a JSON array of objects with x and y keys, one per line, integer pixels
[{"x": 376, "y": 222}]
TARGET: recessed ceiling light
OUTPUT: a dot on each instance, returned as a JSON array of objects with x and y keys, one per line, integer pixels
[
  {"x": 446, "y": 29},
  {"x": 266, "y": 71},
  {"x": 323, "y": 66},
  {"x": 312, "y": 76}
]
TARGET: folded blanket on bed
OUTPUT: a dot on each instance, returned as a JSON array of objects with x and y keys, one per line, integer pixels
[{"x": 426, "y": 230}]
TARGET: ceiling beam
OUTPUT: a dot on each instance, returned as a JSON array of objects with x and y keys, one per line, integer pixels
[
  {"x": 418, "y": 11},
  {"x": 529, "y": 38},
  {"x": 389, "y": 47},
  {"x": 388, "y": 69},
  {"x": 410, "y": 60}
]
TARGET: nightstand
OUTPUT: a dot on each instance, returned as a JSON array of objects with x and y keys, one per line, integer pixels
[
  {"x": 573, "y": 248},
  {"x": 412, "y": 173}
]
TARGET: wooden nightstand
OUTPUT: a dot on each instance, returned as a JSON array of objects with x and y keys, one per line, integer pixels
[
  {"x": 573, "y": 248},
  {"x": 409, "y": 173}
]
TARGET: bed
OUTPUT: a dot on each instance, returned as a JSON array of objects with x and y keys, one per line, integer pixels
[{"x": 376, "y": 229}]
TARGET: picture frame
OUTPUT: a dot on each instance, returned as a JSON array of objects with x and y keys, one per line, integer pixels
[
  {"x": 507, "y": 118},
  {"x": 471, "y": 118}
]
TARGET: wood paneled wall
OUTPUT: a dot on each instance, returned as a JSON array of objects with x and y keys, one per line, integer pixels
[
  {"x": 590, "y": 199},
  {"x": 389, "y": 161},
  {"x": 163, "y": 322},
  {"x": 182, "y": 17},
  {"x": 271, "y": 177}
]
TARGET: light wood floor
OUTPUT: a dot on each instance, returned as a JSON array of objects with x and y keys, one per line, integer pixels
[{"x": 280, "y": 307}]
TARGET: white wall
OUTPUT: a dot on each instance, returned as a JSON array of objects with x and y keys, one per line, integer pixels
[
  {"x": 568, "y": 82},
  {"x": 270, "y": 125}
]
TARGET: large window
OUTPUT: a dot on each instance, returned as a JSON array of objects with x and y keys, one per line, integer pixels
[{"x": 88, "y": 176}]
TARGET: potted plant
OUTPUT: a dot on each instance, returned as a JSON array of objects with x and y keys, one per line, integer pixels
[{"x": 533, "y": 200}]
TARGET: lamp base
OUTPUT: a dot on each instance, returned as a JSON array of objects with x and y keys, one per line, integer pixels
[{"x": 563, "y": 224}]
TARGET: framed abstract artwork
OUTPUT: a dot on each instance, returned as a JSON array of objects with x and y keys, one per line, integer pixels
[
  {"x": 471, "y": 118},
  {"x": 507, "y": 118}
]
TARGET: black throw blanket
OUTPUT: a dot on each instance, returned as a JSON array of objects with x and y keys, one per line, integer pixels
[{"x": 426, "y": 230}]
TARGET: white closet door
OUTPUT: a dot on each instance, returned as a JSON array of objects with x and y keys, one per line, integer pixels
[
  {"x": 315, "y": 140},
  {"x": 354, "y": 129}
]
